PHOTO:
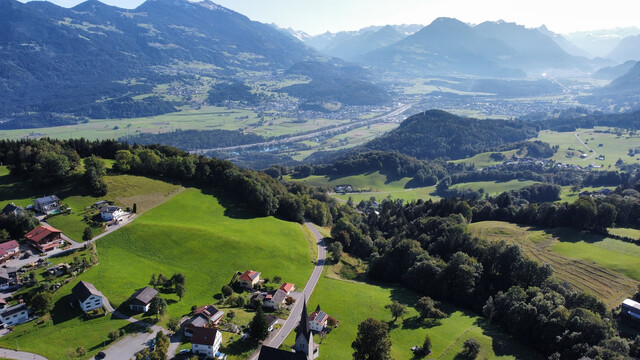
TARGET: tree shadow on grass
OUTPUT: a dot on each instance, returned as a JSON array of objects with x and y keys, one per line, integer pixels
[
  {"x": 415, "y": 322},
  {"x": 63, "y": 312},
  {"x": 570, "y": 235},
  {"x": 503, "y": 344},
  {"x": 232, "y": 206}
]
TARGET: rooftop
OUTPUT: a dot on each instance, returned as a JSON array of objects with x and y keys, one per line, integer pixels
[
  {"x": 144, "y": 295},
  {"x": 204, "y": 336},
  {"x": 83, "y": 290},
  {"x": 41, "y": 232}
]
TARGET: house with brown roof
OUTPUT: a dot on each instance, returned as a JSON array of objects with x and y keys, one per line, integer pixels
[
  {"x": 8, "y": 250},
  {"x": 275, "y": 300},
  {"x": 44, "y": 238},
  {"x": 141, "y": 299},
  {"x": 204, "y": 316},
  {"x": 206, "y": 341},
  {"x": 87, "y": 296},
  {"x": 249, "y": 279}
]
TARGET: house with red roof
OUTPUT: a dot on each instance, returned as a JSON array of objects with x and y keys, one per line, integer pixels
[
  {"x": 8, "y": 250},
  {"x": 249, "y": 279},
  {"x": 44, "y": 238},
  {"x": 287, "y": 288},
  {"x": 204, "y": 316}
]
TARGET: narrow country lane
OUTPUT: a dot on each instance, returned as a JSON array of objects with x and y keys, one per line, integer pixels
[{"x": 277, "y": 337}]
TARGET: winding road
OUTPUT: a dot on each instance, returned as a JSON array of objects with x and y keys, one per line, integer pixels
[{"x": 277, "y": 337}]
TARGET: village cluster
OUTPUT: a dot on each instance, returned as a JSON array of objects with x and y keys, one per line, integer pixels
[{"x": 203, "y": 329}]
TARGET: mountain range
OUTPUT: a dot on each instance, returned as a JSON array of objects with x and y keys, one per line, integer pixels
[{"x": 92, "y": 59}]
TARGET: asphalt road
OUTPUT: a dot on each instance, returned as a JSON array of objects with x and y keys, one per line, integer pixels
[{"x": 278, "y": 336}]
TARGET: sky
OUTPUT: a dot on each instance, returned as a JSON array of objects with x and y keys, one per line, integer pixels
[{"x": 318, "y": 16}]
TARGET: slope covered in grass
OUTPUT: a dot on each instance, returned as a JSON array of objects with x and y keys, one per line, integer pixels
[
  {"x": 604, "y": 267},
  {"x": 353, "y": 302}
]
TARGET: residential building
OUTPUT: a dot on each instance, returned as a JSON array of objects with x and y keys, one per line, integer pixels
[
  {"x": 206, "y": 341},
  {"x": 44, "y": 238},
  {"x": 631, "y": 309},
  {"x": 5, "y": 279},
  {"x": 318, "y": 320},
  {"x": 271, "y": 321},
  {"x": 304, "y": 348},
  {"x": 12, "y": 209},
  {"x": 249, "y": 279},
  {"x": 204, "y": 316},
  {"x": 87, "y": 296},
  {"x": 141, "y": 299},
  {"x": 287, "y": 288},
  {"x": 47, "y": 204},
  {"x": 109, "y": 213},
  {"x": 273, "y": 301},
  {"x": 14, "y": 315},
  {"x": 8, "y": 250}
]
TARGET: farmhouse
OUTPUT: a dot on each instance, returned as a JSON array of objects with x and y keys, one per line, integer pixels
[
  {"x": 109, "y": 213},
  {"x": 12, "y": 209},
  {"x": 47, "y": 204},
  {"x": 206, "y": 341},
  {"x": 304, "y": 349},
  {"x": 87, "y": 296},
  {"x": 44, "y": 238},
  {"x": 249, "y": 279},
  {"x": 204, "y": 316},
  {"x": 141, "y": 299},
  {"x": 8, "y": 250},
  {"x": 631, "y": 309},
  {"x": 14, "y": 315}
]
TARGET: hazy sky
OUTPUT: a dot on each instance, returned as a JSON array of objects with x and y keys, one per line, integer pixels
[{"x": 317, "y": 16}]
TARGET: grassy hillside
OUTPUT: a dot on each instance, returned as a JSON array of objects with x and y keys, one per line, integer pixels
[
  {"x": 605, "y": 267},
  {"x": 611, "y": 145},
  {"x": 125, "y": 190},
  {"x": 359, "y": 301},
  {"x": 195, "y": 233}
]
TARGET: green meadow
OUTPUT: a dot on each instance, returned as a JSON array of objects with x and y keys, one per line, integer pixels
[
  {"x": 602, "y": 266},
  {"x": 353, "y": 302},
  {"x": 611, "y": 145},
  {"x": 197, "y": 233}
]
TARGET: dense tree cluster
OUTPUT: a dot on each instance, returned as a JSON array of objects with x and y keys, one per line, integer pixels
[
  {"x": 196, "y": 139},
  {"x": 231, "y": 91},
  {"x": 427, "y": 247},
  {"x": 16, "y": 225},
  {"x": 437, "y": 134}
]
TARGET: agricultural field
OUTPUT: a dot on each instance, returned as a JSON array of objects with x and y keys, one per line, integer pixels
[
  {"x": 604, "y": 267},
  {"x": 568, "y": 195},
  {"x": 205, "y": 118},
  {"x": 197, "y": 233},
  {"x": 358, "y": 301},
  {"x": 630, "y": 233},
  {"x": 603, "y": 141},
  {"x": 371, "y": 184}
]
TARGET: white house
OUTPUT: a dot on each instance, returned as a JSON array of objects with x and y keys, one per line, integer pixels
[
  {"x": 5, "y": 279},
  {"x": 14, "y": 315},
  {"x": 47, "y": 204},
  {"x": 140, "y": 301},
  {"x": 318, "y": 320},
  {"x": 109, "y": 213},
  {"x": 87, "y": 296},
  {"x": 274, "y": 301},
  {"x": 206, "y": 341}
]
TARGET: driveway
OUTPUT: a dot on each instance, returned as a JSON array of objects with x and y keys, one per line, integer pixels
[{"x": 19, "y": 355}]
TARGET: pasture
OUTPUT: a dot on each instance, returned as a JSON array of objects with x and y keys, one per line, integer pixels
[
  {"x": 604, "y": 267},
  {"x": 352, "y": 302}
]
